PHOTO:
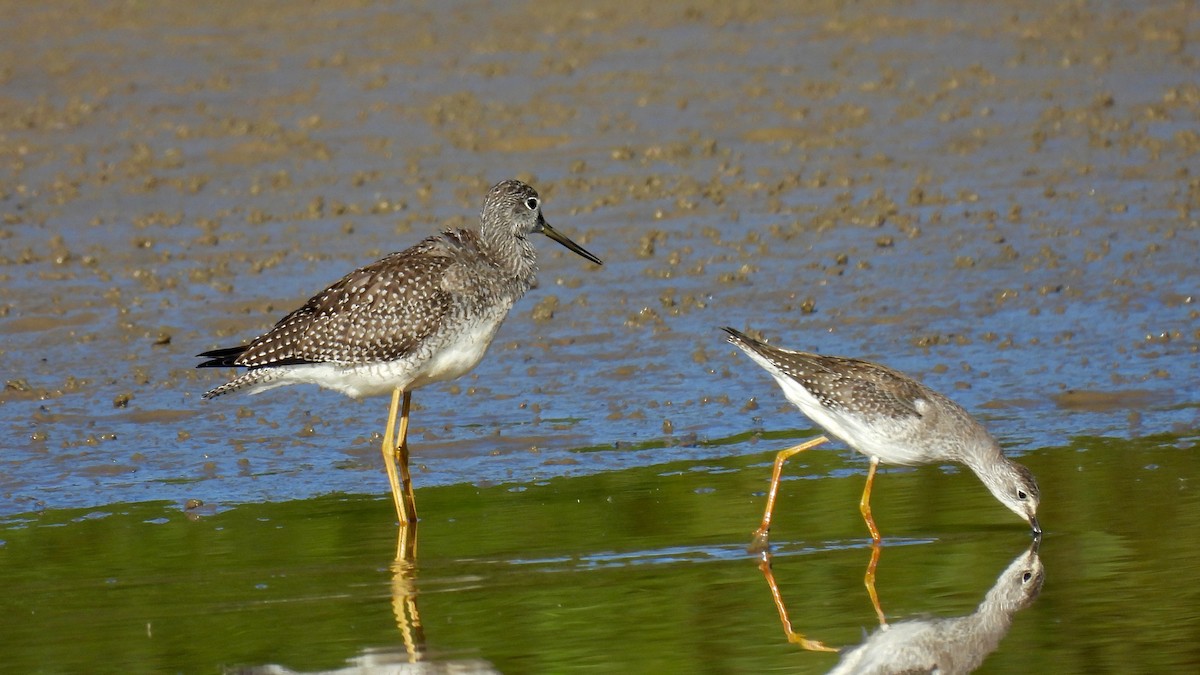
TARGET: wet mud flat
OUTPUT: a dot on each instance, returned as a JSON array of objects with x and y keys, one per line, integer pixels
[{"x": 999, "y": 199}]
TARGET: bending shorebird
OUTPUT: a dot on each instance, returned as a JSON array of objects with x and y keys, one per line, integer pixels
[
  {"x": 888, "y": 417},
  {"x": 425, "y": 314}
]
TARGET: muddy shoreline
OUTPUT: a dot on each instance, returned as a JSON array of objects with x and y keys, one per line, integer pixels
[{"x": 1001, "y": 200}]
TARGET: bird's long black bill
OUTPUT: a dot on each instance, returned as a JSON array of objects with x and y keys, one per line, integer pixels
[
  {"x": 562, "y": 239},
  {"x": 1037, "y": 529}
]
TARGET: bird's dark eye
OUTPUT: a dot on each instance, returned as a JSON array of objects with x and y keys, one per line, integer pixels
[
  {"x": 1026, "y": 577},
  {"x": 1021, "y": 494},
  {"x": 531, "y": 203}
]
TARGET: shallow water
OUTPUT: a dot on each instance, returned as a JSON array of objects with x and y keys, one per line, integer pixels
[
  {"x": 998, "y": 199},
  {"x": 637, "y": 570}
]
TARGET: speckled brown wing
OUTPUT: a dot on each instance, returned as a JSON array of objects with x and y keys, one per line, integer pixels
[
  {"x": 843, "y": 384},
  {"x": 852, "y": 385},
  {"x": 380, "y": 312}
]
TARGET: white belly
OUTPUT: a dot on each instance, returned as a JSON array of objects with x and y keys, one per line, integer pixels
[{"x": 458, "y": 357}]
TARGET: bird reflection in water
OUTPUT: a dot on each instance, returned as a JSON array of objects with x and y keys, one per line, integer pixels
[{"x": 943, "y": 645}]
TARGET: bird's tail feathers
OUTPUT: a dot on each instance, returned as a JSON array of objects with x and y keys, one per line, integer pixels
[
  {"x": 221, "y": 358},
  {"x": 254, "y": 377}
]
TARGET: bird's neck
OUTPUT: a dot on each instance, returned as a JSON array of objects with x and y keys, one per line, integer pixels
[
  {"x": 990, "y": 465},
  {"x": 515, "y": 256},
  {"x": 984, "y": 459}
]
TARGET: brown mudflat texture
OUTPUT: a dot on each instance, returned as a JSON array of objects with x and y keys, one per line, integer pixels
[{"x": 1000, "y": 198}]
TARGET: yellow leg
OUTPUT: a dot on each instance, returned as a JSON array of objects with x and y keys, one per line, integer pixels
[
  {"x": 389, "y": 459},
  {"x": 864, "y": 505},
  {"x": 869, "y": 582},
  {"x": 410, "y": 500},
  {"x": 759, "y": 543},
  {"x": 792, "y": 635},
  {"x": 406, "y": 546}
]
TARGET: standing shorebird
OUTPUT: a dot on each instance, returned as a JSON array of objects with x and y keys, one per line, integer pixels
[
  {"x": 888, "y": 417},
  {"x": 422, "y": 315}
]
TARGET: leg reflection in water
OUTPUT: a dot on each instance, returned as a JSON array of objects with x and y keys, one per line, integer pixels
[
  {"x": 764, "y": 564},
  {"x": 416, "y": 657},
  {"x": 404, "y": 593}
]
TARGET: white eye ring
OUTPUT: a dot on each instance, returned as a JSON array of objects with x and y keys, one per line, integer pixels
[{"x": 531, "y": 203}]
